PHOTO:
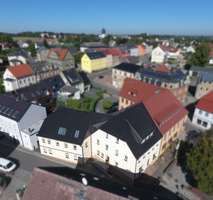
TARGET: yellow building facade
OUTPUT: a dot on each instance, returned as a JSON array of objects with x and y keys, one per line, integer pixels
[{"x": 91, "y": 62}]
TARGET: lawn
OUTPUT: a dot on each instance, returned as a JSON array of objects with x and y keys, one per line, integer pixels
[{"x": 86, "y": 103}]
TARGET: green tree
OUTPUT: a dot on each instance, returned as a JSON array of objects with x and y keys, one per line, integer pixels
[
  {"x": 78, "y": 57},
  {"x": 32, "y": 50},
  {"x": 200, "y": 162},
  {"x": 107, "y": 104},
  {"x": 201, "y": 56},
  {"x": 2, "y": 90}
]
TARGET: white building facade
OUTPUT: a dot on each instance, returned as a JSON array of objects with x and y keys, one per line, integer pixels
[
  {"x": 203, "y": 119},
  {"x": 21, "y": 121}
]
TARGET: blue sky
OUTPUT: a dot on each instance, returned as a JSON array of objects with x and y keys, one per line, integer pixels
[{"x": 117, "y": 16}]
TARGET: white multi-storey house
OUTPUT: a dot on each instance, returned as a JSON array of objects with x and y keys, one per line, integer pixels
[
  {"x": 63, "y": 132},
  {"x": 119, "y": 140},
  {"x": 161, "y": 53},
  {"x": 203, "y": 115},
  {"x": 19, "y": 76},
  {"x": 21, "y": 121},
  {"x": 125, "y": 141}
]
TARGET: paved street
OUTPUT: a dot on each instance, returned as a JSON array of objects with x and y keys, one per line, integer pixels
[{"x": 27, "y": 160}]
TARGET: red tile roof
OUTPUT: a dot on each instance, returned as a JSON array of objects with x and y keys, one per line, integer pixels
[
  {"x": 113, "y": 52},
  {"x": 20, "y": 71},
  {"x": 162, "y": 68},
  {"x": 169, "y": 49},
  {"x": 206, "y": 103},
  {"x": 60, "y": 52},
  {"x": 163, "y": 106}
]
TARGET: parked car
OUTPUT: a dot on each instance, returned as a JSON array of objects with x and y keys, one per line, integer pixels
[{"x": 7, "y": 165}]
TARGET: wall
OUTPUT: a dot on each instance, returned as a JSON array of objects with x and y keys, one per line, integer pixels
[
  {"x": 61, "y": 150},
  {"x": 202, "y": 119},
  {"x": 101, "y": 153}
]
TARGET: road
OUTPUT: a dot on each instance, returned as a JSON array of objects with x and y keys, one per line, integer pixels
[{"x": 28, "y": 159}]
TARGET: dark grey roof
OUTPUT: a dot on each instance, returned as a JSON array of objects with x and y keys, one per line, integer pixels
[
  {"x": 206, "y": 76},
  {"x": 69, "y": 89},
  {"x": 93, "y": 45},
  {"x": 95, "y": 55},
  {"x": 134, "y": 125},
  {"x": 128, "y": 67},
  {"x": 69, "y": 125},
  {"x": 20, "y": 52},
  {"x": 85, "y": 78},
  {"x": 11, "y": 108},
  {"x": 33, "y": 92},
  {"x": 72, "y": 76},
  {"x": 175, "y": 76},
  {"x": 41, "y": 67}
]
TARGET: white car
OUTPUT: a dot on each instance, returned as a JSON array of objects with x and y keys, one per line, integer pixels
[{"x": 7, "y": 165}]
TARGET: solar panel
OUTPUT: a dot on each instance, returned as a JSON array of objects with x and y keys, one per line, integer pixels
[{"x": 62, "y": 131}]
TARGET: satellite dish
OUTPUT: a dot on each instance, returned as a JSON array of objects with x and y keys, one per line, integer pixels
[{"x": 84, "y": 181}]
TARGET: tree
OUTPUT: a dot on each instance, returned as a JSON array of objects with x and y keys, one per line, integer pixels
[
  {"x": 107, "y": 105},
  {"x": 201, "y": 56},
  {"x": 32, "y": 49},
  {"x": 200, "y": 162},
  {"x": 2, "y": 90},
  {"x": 78, "y": 57}
]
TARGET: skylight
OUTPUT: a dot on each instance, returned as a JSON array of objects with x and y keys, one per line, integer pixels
[{"x": 62, "y": 131}]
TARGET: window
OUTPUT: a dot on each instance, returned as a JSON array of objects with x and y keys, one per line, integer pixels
[
  {"x": 67, "y": 155},
  {"x": 199, "y": 121},
  {"x": 200, "y": 111},
  {"x": 65, "y": 145},
  {"x": 45, "y": 151},
  {"x": 43, "y": 140},
  {"x": 206, "y": 114},
  {"x": 116, "y": 152},
  {"x": 48, "y": 141},
  {"x": 107, "y": 147},
  {"x": 50, "y": 151},
  {"x": 126, "y": 158},
  {"x": 57, "y": 144},
  {"x": 205, "y": 124},
  {"x": 140, "y": 169},
  {"x": 154, "y": 157},
  {"x": 86, "y": 144},
  {"x": 75, "y": 157},
  {"x": 102, "y": 155},
  {"x": 107, "y": 136},
  {"x": 98, "y": 142},
  {"x": 98, "y": 153},
  {"x": 116, "y": 164},
  {"x": 117, "y": 141},
  {"x": 74, "y": 147}
]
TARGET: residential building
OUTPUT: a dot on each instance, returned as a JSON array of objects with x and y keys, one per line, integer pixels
[
  {"x": 204, "y": 81},
  {"x": 125, "y": 141},
  {"x": 62, "y": 137},
  {"x": 162, "y": 53},
  {"x": 21, "y": 120},
  {"x": 173, "y": 79},
  {"x": 61, "y": 58},
  {"x": 203, "y": 114},
  {"x": 18, "y": 57},
  {"x": 167, "y": 112},
  {"x": 120, "y": 140},
  {"x": 93, "y": 61},
  {"x": 91, "y": 46},
  {"x": 123, "y": 71},
  {"x": 19, "y": 76}
]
